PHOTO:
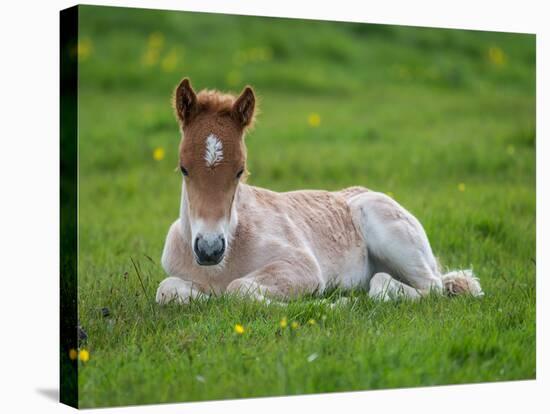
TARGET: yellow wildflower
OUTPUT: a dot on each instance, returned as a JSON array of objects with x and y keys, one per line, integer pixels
[
  {"x": 311, "y": 322},
  {"x": 84, "y": 48},
  {"x": 283, "y": 323},
  {"x": 84, "y": 355},
  {"x": 150, "y": 57},
  {"x": 170, "y": 61},
  {"x": 461, "y": 187},
  {"x": 156, "y": 40},
  {"x": 73, "y": 354},
  {"x": 294, "y": 325},
  {"x": 314, "y": 120},
  {"x": 239, "y": 329},
  {"x": 158, "y": 154},
  {"x": 497, "y": 56},
  {"x": 152, "y": 54}
]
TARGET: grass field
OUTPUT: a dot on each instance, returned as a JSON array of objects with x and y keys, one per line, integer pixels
[{"x": 442, "y": 120}]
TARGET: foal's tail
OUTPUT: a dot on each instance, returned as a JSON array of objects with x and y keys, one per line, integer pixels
[{"x": 460, "y": 282}]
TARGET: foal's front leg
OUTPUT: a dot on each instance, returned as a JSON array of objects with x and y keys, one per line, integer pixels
[
  {"x": 175, "y": 289},
  {"x": 280, "y": 279}
]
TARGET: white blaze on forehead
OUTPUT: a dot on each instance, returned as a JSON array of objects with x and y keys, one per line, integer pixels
[{"x": 214, "y": 150}]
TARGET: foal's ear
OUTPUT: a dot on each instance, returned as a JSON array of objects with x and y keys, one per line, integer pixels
[
  {"x": 243, "y": 108},
  {"x": 185, "y": 101}
]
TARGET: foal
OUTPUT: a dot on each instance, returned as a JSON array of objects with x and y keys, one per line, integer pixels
[{"x": 232, "y": 237}]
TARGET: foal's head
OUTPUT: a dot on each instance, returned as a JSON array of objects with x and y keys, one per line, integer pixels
[{"x": 212, "y": 161}]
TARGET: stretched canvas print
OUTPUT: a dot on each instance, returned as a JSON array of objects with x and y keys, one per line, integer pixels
[{"x": 257, "y": 206}]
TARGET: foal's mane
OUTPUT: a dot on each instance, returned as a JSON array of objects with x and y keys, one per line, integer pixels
[{"x": 211, "y": 100}]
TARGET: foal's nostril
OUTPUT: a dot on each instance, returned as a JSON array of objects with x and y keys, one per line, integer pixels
[{"x": 196, "y": 245}]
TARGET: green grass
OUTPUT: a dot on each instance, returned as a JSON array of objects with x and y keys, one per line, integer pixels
[{"x": 409, "y": 111}]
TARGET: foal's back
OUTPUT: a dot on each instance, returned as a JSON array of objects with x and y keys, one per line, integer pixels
[{"x": 318, "y": 214}]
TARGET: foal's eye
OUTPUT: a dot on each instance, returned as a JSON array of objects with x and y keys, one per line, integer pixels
[
  {"x": 240, "y": 173},
  {"x": 184, "y": 171}
]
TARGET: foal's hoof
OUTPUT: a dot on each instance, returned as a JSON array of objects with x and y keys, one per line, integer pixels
[
  {"x": 380, "y": 287},
  {"x": 172, "y": 289}
]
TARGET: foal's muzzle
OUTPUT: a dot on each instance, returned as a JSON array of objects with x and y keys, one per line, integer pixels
[{"x": 209, "y": 249}]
